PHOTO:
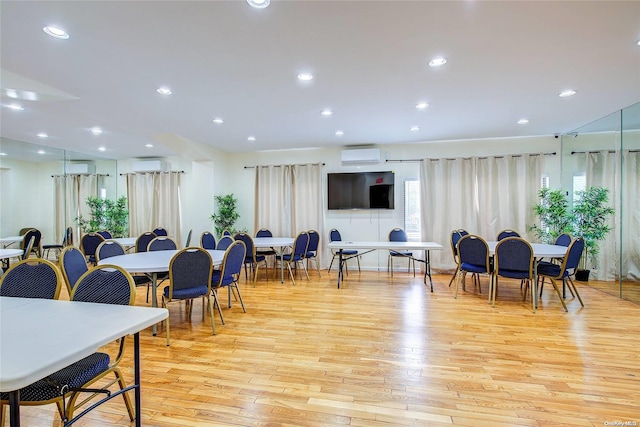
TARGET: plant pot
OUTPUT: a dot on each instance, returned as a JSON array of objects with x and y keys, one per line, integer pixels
[{"x": 583, "y": 275}]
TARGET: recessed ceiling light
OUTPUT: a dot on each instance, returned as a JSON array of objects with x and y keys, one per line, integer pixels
[
  {"x": 437, "y": 62},
  {"x": 164, "y": 90},
  {"x": 96, "y": 131},
  {"x": 422, "y": 105},
  {"x": 3, "y": 154},
  {"x": 148, "y": 145},
  {"x": 259, "y": 4},
  {"x": 414, "y": 128},
  {"x": 566, "y": 93},
  {"x": 42, "y": 135},
  {"x": 218, "y": 121},
  {"x": 326, "y": 112},
  {"x": 56, "y": 32},
  {"x": 16, "y": 107},
  {"x": 41, "y": 152},
  {"x": 638, "y": 42},
  {"x": 305, "y": 77},
  {"x": 251, "y": 138},
  {"x": 523, "y": 121},
  {"x": 339, "y": 133},
  {"x": 102, "y": 149},
  {"x": 11, "y": 93}
]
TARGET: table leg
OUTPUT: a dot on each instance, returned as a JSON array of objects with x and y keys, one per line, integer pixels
[
  {"x": 154, "y": 296},
  {"x": 281, "y": 264},
  {"x": 14, "y": 408},
  {"x": 427, "y": 268},
  {"x": 136, "y": 365},
  {"x": 339, "y": 267}
]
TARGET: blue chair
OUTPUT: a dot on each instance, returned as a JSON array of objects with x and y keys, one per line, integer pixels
[
  {"x": 105, "y": 284},
  {"x": 252, "y": 258},
  {"x": 563, "y": 271},
  {"x": 88, "y": 245},
  {"x": 312, "y": 249},
  {"x": 224, "y": 243},
  {"x": 347, "y": 254},
  {"x": 31, "y": 278},
  {"x": 162, "y": 243},
  {"x": 474, "y": 258},
  {"x": 189, "y": 278},
  {"x": 399, "y": 235},
  {"x": 109, "y": 248},
  {"x": 226, "y": 233},
  {"x": 513, "y": 258},
  {"x": 159, "y": 231},
  {"x": 142, "y": 242},
  {"x": 271, "y": 252},
  {"x": 507, "y": 233},
  {"x": 563, "y": 240},
  {"x": 207, "y": 240},
  {"x": 188, "y": 242},
  {"x": 456, "y": 235},
  {"x": 36, "y": 247},
  {"x": 28, "y": 248},
  {"x": 105, "y": 233},
  {"x": 67, "y": 240},
  {"x": 73, "y": 265},
  {"x": 228, "y": 275},
  {"x": 296, "y": 256}
]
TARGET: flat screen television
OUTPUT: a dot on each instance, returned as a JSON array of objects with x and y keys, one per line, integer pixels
[{"x": 361, "y": 190}]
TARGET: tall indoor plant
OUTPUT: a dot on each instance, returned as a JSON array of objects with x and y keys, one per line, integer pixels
[
  {"x": 226, "y": 215},
  {"x": 591, "y": 210},
  {"x": 554, "y": 213},
  {"x": 106, "y": 214}
]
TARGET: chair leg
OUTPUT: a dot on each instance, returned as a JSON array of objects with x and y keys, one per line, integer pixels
[
  {"x": 213, "y": 323},
  {"x": 216, "y": 302},
  {"x": 331, "y": 263},
  {"x": 164, "y": 305},
  {"x": 571, "y": 284},
  {"x": 555, "y": 286},
  {"x": 455, "y": 273},
  {"x": 236, "y": 289},
  {"x": 293, "y": 280}
]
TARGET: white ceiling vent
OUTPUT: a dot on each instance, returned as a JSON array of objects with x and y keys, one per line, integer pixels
[
  {"x": 361, "y": 155},
  {"x": 81, "y": 169},
  {"x": 152, "y": 166}
]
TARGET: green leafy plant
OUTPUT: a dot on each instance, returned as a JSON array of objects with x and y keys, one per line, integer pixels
[
  {"x": 590, "y": 213},
  {"x": 227, "y": 214},
  {"x": 554, "y": 214},
  {"x": 106, "y": 215}
]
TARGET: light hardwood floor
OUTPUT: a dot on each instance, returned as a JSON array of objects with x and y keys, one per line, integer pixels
[{"x": 387, "y": 353}]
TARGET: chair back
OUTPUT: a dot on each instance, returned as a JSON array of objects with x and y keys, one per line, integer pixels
[
  {"x": 226, "y": 233},
  {"x": 160, "y": 231},
  {"x": 67, "y": 240},
  {"x": 397, "y": 235},
  {"x": 250, "y": 255},
  {"x": 31, "y": 278},
  {"x": 334, "y": 235},
  {"x": 474, "y": 251},
  {"x": 109, "y": 248},
  {"x": 89, "y": 244},
  {"x": 105, "y": 284},
  {"x": 513, "y": 257},
  {"x": 224, "y": 243},
  {"x": 188, "y": 242},
  {"x": 37, "y": 236},
  {"x": 142, "y": 242},
  {"x": 207, "y": 240},
  {"x": 574, "y": 253},
  {"x": 73, "y": 265},
  {"x": 162, "y": 243},
  {"x": 300, "y": 245},
  {"x": 24, "y": 230},
  {"x": 264, "y": 232},
  {"x": 314, "y": 242},
  {"x": 563, "y": 240},
  {"x": 507, "y": 233},
  {"x": 105, "y": 233},
  {"x": 28, "y": 248},
  {"x": 231, "y": 263},
  {"x": 190, "y": 268},
  {"x": 456, "y": 235}
]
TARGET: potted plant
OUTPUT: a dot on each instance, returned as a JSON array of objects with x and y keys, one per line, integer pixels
[
  {"x": 227, "y": 214},
  {"x": 554, "y": 213},
  {"x": 106, "y": 214},
  {"x": 591, "y": 211}
]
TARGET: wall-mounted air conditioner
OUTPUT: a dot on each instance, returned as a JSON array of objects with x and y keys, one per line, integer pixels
[
  {"x": 361, "y": 155},
  {"x": 152, "y": 166},
  {"x": 81, "y": 169}
]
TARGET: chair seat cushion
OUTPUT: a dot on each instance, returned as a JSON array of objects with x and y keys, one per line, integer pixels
[
  {"x": 350, "y": 252},
  {"x": 259, "y": 258},
  {"x": 52, "y": 246},
  {"x": 310, "y": 255},
  {"x": 290, "y": 257},
  {"x": 548, "y": 269},
  {"x": 514, "y": 274},
  {"x": 473, "y": 268},
  {"x": 189, "y": 293},
  {"x": 74, "y": 375},
  {"x": 407, "y": 254}
]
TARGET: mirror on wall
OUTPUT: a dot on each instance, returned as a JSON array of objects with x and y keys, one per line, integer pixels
[
  {"x": 40, "y": 187},
  {"x": 605, "y": 154}
]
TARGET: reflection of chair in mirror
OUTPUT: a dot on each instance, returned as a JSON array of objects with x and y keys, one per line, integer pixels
[
  {"x": 399, "y": 235},
  {"x": 347, "y": 254},
  {"x": 507, "y": 233},
  {"x": 32, "y": 278},
  {"x": 563, "y": 271},
  {"x": 474, "y": 258},
  {"x": 67, "y": 240},
  {"x": 296, "y": 256},
  {"x": 252, "y": 258},
  {"x": 456, "y": 235},
  {"x": 513, "y": 258},
  {"x": 207, "y": 240},
  {"x": 88, "y": 245},
  {"x": 73, "y": 265},
  {"x": 109, "y": 248}
]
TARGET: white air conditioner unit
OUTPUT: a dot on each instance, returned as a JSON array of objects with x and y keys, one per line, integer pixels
[
  {"x": 361, "y": 155},
  {"x": 152, "y": 166},
  {"x": 81, "y": 169}
]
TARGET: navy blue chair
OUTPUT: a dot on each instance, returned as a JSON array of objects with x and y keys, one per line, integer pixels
[
  {"x": 159, "y": 231},
  {"x": 228, "y": 275},
  {"x": 105, "y": 233},
  {"x": 563, "y": 240},
  {"x": 188, "y": 242},
  {"x": 142, "y": 242},
  {"x": 513, "y": 258},
  {"x": 296, "y": 256},
  {"x": 226, "y": 233},
  {"x": 564, "y": 271},
  {"x": 399, "y": 235},
  {"x": 474, "y": 258},
  {"x": 507, "y": 233},
  {"x": 312, "y": 249},
  {"x": 36, "y": 247},
  {"x": 252, "y": 258},
  {"x": 109, "y": 248},
  {"x": 67, "y": 240},
  {"x": 162, "y": 243},
  {"x": 207, "y": 240},
  {"x": 73, "y": 265},
  {"x": 224, "y": 243},
  {"x": 31, "y": 278},
  {"x": 89, "y": 244},
  {"x": 189, "y": 278},
  {"x": 271, "y": 252},
  {"x": 456, "y": 235},
  {"x": 347, "y": 254}
]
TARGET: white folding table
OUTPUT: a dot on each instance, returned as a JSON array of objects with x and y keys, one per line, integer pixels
[
  {"x": 394, "y": 246},
  {"x": 9, "y": 240},
  {"x": 40, "y": 337},
  {"x": 275, "y": 242}
]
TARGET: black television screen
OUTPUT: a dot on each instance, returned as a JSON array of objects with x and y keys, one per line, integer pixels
[{"x": 361, "y": 190}]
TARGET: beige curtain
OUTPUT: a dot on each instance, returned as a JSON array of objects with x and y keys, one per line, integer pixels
[
  {"x": 154, "y": 201},
  {"x": 273, "y": 199},
  {"x": 70, "y": 193},
  {"x": 630, "y": 221},
  {"x": 307, "y": 207}
]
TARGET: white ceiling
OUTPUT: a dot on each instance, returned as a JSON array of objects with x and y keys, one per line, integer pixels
[{"x": 506, "y": 61}]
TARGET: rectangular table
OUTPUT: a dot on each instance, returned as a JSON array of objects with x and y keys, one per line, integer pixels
[
  {"x": 40, "y": 337},
  {"x": 394, "y": 246}
]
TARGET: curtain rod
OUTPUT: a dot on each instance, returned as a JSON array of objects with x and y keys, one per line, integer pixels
[
  {"x": 277, "y": 166},
  {"x": 82, "y": 174},
  {"x": 600, "y": 151},
  {"x": 142, "y": 173},
  {"x": 485, "y": 157}
]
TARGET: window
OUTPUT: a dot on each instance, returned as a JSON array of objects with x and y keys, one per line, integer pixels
[
  {"x": 412, "y": 209},
  {"x": 579, "y": 184}
]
